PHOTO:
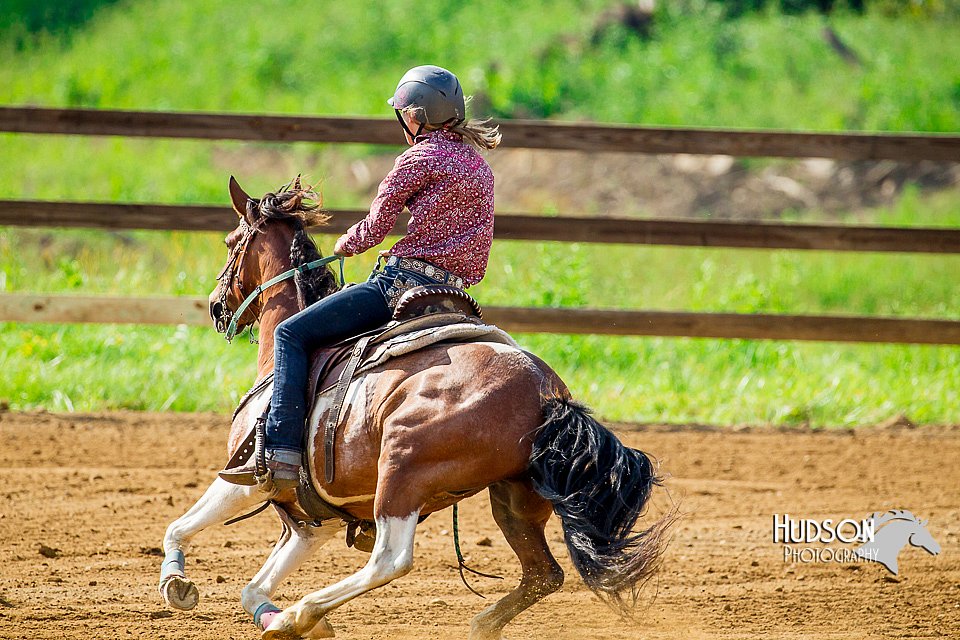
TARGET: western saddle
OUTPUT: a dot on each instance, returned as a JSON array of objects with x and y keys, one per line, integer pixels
[{"x": 333, "y": 368}]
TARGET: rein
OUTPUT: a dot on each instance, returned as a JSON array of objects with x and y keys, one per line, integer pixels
[{"x": 286, "y": 275}]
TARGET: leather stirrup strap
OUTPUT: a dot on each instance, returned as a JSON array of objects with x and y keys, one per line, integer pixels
[
  {"x": 260, "y": 446},
  {"x": 244, "y": 451},
  {"x": 333, "y": 418},
  {"x": 250, "y": 444}
]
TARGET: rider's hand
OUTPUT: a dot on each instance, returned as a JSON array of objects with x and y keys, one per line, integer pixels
[{"x": 338, "y": 249}]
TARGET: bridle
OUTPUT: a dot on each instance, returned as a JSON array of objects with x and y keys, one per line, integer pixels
[
  {"x": 232, "y": 271},
  {"x": 227, "y": 322}
]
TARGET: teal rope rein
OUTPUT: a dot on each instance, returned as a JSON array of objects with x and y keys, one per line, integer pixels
[{"x": 231, "y": 331}]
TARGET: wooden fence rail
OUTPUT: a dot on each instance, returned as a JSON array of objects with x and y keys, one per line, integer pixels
[
  {"x": 516, "y": 133},
  {"x": 532, "y": 135},
  {"x": 514, "y": 227},
  {"x": 193, "y": 311}
]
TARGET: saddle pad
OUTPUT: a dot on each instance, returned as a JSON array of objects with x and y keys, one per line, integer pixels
[{"x": 409, "y": 342}]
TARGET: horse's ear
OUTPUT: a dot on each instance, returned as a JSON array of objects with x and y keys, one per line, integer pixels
[{"x": 239, "y": 198}]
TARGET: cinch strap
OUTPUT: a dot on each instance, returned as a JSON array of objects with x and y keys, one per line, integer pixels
[{"x": 333, "y": 418}]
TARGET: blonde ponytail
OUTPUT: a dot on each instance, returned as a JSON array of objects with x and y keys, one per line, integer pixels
[
  {"x": 476, "y": 131},
  {"x": 479, "y": 133}
]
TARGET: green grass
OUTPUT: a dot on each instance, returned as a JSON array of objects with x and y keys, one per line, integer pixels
[
  {"x": 544, "y": 273},
  {"x": 524, "y": 57},
  {"x": 521, "y": 59},
  {"x": 648, "y": 379},
  {"x": 80, "y": 368}
]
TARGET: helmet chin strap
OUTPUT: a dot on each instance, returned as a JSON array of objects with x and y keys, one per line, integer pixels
[{"x": 413, "y": 136}]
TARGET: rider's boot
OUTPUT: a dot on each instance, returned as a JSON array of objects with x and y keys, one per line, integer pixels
[{"x": 282, "y": 471}]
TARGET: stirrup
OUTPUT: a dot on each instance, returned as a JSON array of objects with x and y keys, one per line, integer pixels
[
  {"x": 259, "y": 473},
  {"x": 267, "y": 482}
]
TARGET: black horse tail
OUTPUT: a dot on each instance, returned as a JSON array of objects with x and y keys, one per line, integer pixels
[{"x": 598, "y": 488}]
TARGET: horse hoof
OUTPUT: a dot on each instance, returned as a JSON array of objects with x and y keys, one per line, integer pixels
[
  {"x": 480, "y": 631},
  {"x": 322, "y": 629},
  {"x": 180, "y": 593},
  {"x": 282, "y": 631},
  {"x": 280, "y": 626}
]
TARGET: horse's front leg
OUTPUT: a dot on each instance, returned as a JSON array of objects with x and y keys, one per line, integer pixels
[
  {"x": 399, "y": 499},
  {"x": 219, "y": 503},
  {"x": 392, "y": 557},
  {"x": 296, "y": 543}
]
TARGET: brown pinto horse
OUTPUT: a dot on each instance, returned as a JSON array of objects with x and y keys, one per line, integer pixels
[{"x": 425, "y": 430}]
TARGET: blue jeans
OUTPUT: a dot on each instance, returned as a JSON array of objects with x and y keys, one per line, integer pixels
[{"x": 346, "y": 313}]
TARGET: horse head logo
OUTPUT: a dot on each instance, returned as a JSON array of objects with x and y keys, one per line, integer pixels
[{"x": 898, "y": 528}]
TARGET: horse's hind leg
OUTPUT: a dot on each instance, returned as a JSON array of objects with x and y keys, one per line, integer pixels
[
  {"x": 521, "y": 514},
  {"x": 219, "y": 503},
  {"x": 296, "y": 543}
]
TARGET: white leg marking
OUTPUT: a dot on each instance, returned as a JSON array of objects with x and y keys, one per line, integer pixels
[
  {"x": 220, "y": 502},
  {"x": 391, "y": 558},
  {"x": 295, "y": 545}
]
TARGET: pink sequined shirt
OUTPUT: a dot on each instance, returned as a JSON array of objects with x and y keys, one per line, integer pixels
[{"x": 448, "y": 188}]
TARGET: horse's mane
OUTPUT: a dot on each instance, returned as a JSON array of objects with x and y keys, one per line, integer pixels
[
  {"x": 299, "y": 206},
  {"x": 882, "y": 518}
]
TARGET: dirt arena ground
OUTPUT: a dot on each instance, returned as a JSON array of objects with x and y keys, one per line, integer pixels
[{"x": 97, "y": 492}]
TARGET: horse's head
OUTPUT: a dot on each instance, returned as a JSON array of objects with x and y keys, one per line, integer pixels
[
  {"x": 911, "y": 529},
  {"x": 269, "y": 239}
]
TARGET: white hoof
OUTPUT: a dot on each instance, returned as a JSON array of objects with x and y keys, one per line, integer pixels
[
  {"x": 180, "y": 593},
  {"x": 281, "y": 628},
  {"x": 320, "y": 630}
]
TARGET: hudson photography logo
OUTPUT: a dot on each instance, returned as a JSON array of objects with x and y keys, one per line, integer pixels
[{"x": 877, "y": 538}]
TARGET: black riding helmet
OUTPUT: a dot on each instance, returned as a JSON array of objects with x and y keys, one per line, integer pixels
[{"x": 433, "y": 93}]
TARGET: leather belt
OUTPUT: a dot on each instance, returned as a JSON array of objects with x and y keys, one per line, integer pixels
[{"x": 435, "y": 273}]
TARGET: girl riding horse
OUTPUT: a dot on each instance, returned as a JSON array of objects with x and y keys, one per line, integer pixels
[{"x": 448, "y": 188}]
